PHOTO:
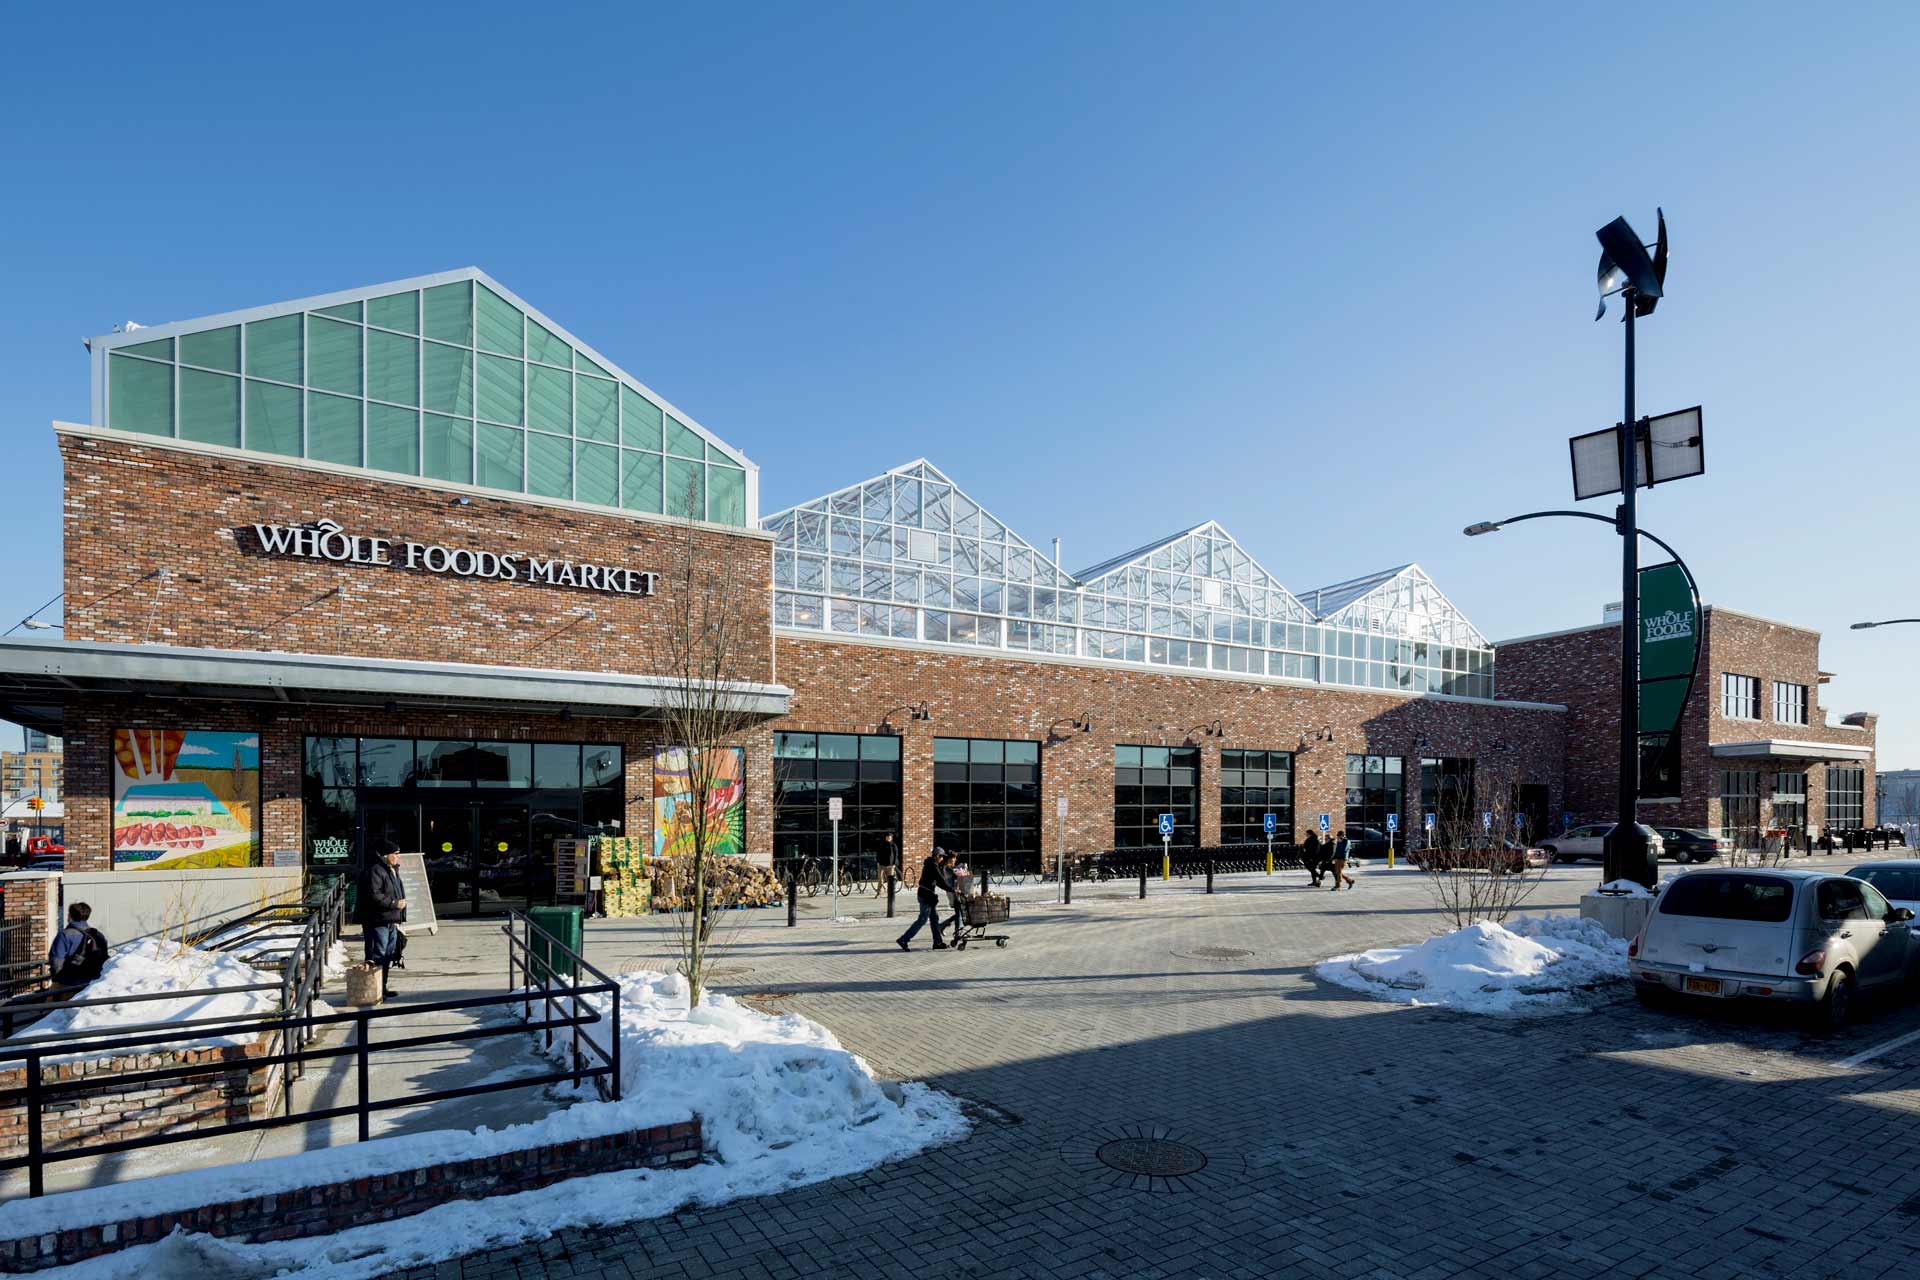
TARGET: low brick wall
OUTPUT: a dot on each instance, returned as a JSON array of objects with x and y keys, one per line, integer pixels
[
  {"x": 322, "y": 1210},
  {"x": 246, "y": 1090}
]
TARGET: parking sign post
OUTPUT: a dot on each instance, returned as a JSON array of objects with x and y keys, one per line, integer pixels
[
  {"x": 1166, "y": 846},
  {"x": 1270, "y": 823},
  {"x": 833, "y": 816},
  {"x": 1062, "y": 873},
  {"x": 1393, "y": 825}
]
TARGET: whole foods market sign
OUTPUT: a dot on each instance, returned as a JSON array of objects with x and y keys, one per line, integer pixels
[{"x": 327, "y": 541}]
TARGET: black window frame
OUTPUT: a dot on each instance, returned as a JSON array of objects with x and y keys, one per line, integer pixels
[
  {"x": 1739, "y": 696},
  {"x": 1382, "y": 790},
  {"x": 1794, "y": 703},
  {"x": 1143, "y": 790},
  {"x": 1846, "y": 805},
  {"x": 987, "y": 806},
  {"x": 1254, "y": 783},
  {"x": 864, "y": 770}
]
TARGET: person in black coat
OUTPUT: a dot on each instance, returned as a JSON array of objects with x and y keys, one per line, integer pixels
[
  {"x": 935, "y": 879},
  {"x": 1311, "y": 857},
  {"x": 382, "y": 909}
]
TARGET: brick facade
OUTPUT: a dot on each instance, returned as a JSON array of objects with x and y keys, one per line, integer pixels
[
  {"x": 133, "y": 508},
  {"x": 846, "y": 686},
  {"x": 30, "y": 904},
  {"x": 1582, "y": 669},
  {"x": 326, "y": 1209}
]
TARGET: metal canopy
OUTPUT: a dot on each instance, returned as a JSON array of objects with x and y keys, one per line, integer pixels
[
  {"x": 1788, "y": 749},
  {"x": 38, "y": 675}
]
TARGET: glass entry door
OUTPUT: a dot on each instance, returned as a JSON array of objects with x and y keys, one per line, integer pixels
[
  {"x": 446, "y": 837},
  {"x": 501, "y": 860}
]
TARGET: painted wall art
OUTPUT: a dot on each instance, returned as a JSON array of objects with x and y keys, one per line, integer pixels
[
  {"x": 726, "y": 803},
  {"x": 185, "y": 798}
]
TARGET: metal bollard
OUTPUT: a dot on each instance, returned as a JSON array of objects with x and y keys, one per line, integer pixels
[
  {"x": 1143, "y": 877},
  {"x": 793, "y": 900},
  {"x": 1209, "y": 875},
  {"x": 1066, "y": 879},
  {"x": 893, "y": 883}
]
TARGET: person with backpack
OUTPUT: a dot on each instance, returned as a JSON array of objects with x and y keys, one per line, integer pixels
[
  {"x": 1310, "y": 857},
  {"x": 382, "y": 908},
  {"x": 1342, "y": 850},
  {"x": 79, "y": 951}
]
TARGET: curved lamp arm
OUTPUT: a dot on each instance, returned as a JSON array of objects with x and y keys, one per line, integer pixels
[{"x": 1887, "y": 622}]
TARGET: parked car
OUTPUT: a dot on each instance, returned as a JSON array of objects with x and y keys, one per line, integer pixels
[
  {"x": 42, "y": 845},
  {"x": 1691, "y": 844},
  {"x": 1370, "y": 842},
  {"x": 1513, "y": 857},
  {"x": 1804, "y": 937},
  {"x": 47, "y": 862},
  {"x": 1899, "y": 879},
  {"x": 1590, "y": 841}
]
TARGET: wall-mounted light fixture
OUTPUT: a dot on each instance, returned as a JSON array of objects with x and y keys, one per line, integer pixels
[
  {"x": 1060, "y": 729},
  {"x": 915, "y": 711},
  {"x": 1211, "y": 729}
]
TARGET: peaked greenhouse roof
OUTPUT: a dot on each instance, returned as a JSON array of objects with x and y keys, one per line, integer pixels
[
  {"x": 451, "y": 378},
  {"x": 1205, "y": 551},
  {"x": 1400, "y": 602}
]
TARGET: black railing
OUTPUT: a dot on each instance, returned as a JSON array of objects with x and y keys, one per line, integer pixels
[
  {"x": 295, "y": 1032},
  {"x": 1125, "y": 864},
  {"x": 537, "y": 957}
]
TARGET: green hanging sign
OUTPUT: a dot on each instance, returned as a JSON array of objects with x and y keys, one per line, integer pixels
[{"x": 1669, "y": 643}]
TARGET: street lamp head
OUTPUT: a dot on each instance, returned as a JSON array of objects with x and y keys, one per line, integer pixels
[
  {"x": 1863, "y": 626},
  {"x": 1625, "y": 264},
  {"x": 1485, "y": 526}
]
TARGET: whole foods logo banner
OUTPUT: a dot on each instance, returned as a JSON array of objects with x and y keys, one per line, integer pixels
[
  {"x": 185, "y": 798},
  {"x": 673, "y": 812},
  {"x": 1669, "y": 640}
]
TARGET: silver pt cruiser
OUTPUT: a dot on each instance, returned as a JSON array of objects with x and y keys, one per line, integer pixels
[{"x": 1805, "y": 936}]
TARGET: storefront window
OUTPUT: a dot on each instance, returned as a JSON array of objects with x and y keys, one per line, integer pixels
[
  {"x": 1446, "y": 792},
  {"x": 1252, "y": 785},
  {"x": 863, "y": 772},
  {"x": 1846, "y": 798},
  {"x": 1374, "y": 790},
  {"x": 1740, "y": 807},
  {"x": 986, "y": 802},
  {"x": 1150, "y": 781}
]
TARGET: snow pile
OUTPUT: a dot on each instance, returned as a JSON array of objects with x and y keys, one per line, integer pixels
[
  {"x": 154, "y": 965},
  {"x": 781, "y": 1104},
  {"x": 274, "y": 944},
  {"x": 1532, "y": 964},
  {"x": 1626, "y": 889}
]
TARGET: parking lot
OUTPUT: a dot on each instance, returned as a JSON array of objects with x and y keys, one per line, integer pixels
[{"x": 1340, "y": 1137}]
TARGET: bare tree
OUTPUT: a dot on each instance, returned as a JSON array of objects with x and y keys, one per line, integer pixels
[
  {"x": 1473, "y": 867},
  {"x": 699, "y": 650}
]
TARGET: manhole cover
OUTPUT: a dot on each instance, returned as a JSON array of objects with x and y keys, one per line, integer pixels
[{"x": 1151, "y": 1157}]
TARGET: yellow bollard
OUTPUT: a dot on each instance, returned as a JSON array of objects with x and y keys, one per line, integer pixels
[
  {"x": 1269, "y": 861},
  {"x": 1166, "y": 866}
]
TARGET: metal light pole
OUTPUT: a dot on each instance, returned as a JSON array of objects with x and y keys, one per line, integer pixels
[{"x": 1627, "y": 854}]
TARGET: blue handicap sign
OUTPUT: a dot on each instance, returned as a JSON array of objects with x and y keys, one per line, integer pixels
[
  {"x": 1325, "y": 823},
  {"x": 1486, "y": 819},
  {"x": 1271, "y": 823},
  {"x": 1393, "y": 822},
  {"x": 1166, "y": 824}
]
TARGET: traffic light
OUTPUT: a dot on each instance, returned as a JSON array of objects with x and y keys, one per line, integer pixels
[{"x": 36, "y": 804}]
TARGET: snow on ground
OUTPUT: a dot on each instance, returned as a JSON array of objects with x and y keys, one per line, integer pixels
[
  {"x": 1626, "y": 888},
  {"x": 1532, "y": 964},
  {"x": 781, "y": 1104},
  {"x": 273, "y": 944},
  {"x": 154, "y": 965}
]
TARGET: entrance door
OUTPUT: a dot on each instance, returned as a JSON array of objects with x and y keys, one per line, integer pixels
[
  {"x": 447, "y": 839},
  {"x": 501, "y": 859}
]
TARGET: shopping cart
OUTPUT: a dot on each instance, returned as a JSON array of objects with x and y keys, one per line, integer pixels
[{"x": 973, "y": 912}]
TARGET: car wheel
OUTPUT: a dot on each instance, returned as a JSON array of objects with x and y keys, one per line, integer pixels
[
  {"x": 1553, "y": 854},
  {"x": 1834, "y": 1007}
]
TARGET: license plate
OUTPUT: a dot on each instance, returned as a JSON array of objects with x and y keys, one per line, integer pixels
[{"x": 1703, "y": 986}]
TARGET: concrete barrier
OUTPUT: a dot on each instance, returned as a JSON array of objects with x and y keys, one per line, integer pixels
[{"x": 138, "y": 904}]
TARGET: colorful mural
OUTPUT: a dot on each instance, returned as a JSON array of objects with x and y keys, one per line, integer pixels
[
  {"x": 185, "y": 798},
  {"x": 726, "y": 803}
]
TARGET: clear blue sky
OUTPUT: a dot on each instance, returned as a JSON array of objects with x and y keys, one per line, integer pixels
[{"x": 1325, "y": 276}]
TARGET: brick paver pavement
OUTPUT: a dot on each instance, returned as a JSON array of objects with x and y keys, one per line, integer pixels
[{"x": 1345, "y": 1138}]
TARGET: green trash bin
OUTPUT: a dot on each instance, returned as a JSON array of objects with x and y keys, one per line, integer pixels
[{"x": 565, "y": 925}]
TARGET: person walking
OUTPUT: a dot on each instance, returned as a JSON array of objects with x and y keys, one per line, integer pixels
[
  {"x": 1337, "y": 863},
  {"x": 382, "y": 909},
  {"x": 889, "y": 866},
  {"x": 934, "y": 880},
  {"x": 1310, "y": 857},
  {"x": 79, "y": 951}
]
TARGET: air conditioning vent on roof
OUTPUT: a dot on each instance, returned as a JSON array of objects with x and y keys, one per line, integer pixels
[
  {"x": 922, "y": 546},
  {"x": 1210, "y": 592}
]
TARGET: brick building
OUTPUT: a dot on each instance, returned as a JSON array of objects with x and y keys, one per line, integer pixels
[
  {"x": 404, "y": 562},
  {"x": 1758, "y": 753}
]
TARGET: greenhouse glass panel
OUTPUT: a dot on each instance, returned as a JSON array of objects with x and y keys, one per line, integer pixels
[
  {"x": 333, "y": 355},
  {"x": 595, "y": 416},
  {"x": 546, "y": 346},
  {"x": 596, "y": 474},
  {"x": 393, "y": 439},
  {"x": 447, "y": 448},
  {"x": 333, "y": 429},
  {"x": 497, "y": 323},
  {"x": 640, "y": 421},
  {"x": 139, "y": 395},
  {"x": 273, "y": 349},
  {"x": 500, "y": 389},
  {"x": 683, "y": 441},
  {"x": 393, "y": 368},
  {"x": 212, "y": 349},
  {"x": 549, "y": 465},
  {"x": 686, "y": 492},
  {"x": 158, "y": 349},
  {"x": 345, "y": 311},
  {"x": 549, "y": 400},
  {"x": 447, "y": 312},
  {"x": 273, "y": 417},
  {"x": 209, "y": 408},
  {"x": 585, "y": 365},
  {"x": 447, "y": 379},
  {"x": 640, "y": 476},
  {"x": 727, "y": 495},
  {"x": 499, "y": 457},
  {"x": 396, "y": 311}
]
